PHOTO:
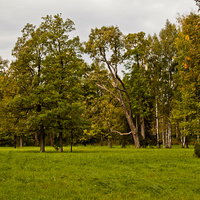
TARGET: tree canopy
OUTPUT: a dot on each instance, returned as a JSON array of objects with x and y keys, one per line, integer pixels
[{"x": 50, "y": 95}]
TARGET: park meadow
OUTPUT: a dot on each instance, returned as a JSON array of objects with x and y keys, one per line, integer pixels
[
  {"x": 132, "y": 90},
  {"x": 96, "y": 172}
]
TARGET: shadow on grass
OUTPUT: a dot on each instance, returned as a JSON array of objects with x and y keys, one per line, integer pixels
[{"x": 76, "y": 150}]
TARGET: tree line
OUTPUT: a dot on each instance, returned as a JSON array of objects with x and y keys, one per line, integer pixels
[{"x": 50, "y": 94}]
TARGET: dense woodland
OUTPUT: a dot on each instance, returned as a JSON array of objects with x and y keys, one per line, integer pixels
[{"x": 51, "y": 95}]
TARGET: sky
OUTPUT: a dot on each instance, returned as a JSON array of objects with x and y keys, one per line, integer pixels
[{"x": 131, "y": 16}]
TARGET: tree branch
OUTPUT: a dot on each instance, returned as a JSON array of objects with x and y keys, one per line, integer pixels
[
  {"x": 119, "y": 89},
  {"x": 113, "y": 131},
  {"x": 127, "y": 94},
  {"x": 104, "y": 88}
]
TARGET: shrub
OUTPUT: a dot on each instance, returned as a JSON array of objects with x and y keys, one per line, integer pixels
[{"x": 197, "y": 150}]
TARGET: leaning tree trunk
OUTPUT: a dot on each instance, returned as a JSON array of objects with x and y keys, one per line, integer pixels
[
  {"x": 123, "y": 99},
  {"x": 133, "y": 131}
]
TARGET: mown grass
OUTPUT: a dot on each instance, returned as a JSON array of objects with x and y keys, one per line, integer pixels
[{"x": 99, "y": 173}]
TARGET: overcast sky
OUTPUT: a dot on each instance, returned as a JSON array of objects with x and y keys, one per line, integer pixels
[{"x": 131, "y": 16}]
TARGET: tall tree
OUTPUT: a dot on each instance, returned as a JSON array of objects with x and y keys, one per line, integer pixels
[
  {"x": 186, "y": 104},
  {"x": 48, "y": 72},
  {"x": 63, "y": 72},
  {"x": 135, "y": 79},
  {"x": 107, "y": 45},
  {"x": 161, "y": 66}
]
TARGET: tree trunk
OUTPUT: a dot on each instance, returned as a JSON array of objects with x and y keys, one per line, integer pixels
[
  {"x": 71, "y": 139},
  {"x": 123, "y": 141},
  {"x": 51, "y": 135},
  {"x": 134, "y": 132},
  {"x": 36, "y": 140},
  {"x": 42, "y": 139},
  {"x": 15, "y": 141},
  {"x": 177, "y": 130},
  {"x": 182, "y": 140},
  {"x": 167, "y": 137},
  {"x": 142, "y": 127},
  {"x": 198, "y": 131},
  {"x": 101, "y": 140},
  {"x": 60, "y": 142},
  {"x": 20, "y": 141},
  {"x": 136, "y": 124},
  {"x": 109, "y": 142},
  {"x": 186, "y": 141},
  {"x": 126, "y": 104},
  {"x": 169, "y": 134},
  {"x": 157, "y": 125},
  {"x": 163, "y": 132}
]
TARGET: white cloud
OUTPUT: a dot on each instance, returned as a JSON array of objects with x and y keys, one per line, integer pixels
[{"x": 130, "y": 15}]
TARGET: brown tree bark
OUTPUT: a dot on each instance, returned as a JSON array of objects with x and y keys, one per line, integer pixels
[
  {"x": 101, "y": 140},
  {"x": 51, "y": 135},
  {"x": 15, "y": 141},
  {"x": 20, "y": 141},
  {"x": 60, "y": 141},
  {"x": 71, "y": 139},
  {"x": 142, "y": 127},
  {"x": 110, "y": 142},
  {"x": 42, "y": 139},
  {"x": 36, "y": 140}
]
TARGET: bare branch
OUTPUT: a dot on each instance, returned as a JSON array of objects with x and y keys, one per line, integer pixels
[
  {"x": 127, "y": 94},
  {"x": 109, "y": 65},
  {"x": 120, "y": 89},
  {"x": 113, "y": 131},
  {"x": 104, "y": 88}
]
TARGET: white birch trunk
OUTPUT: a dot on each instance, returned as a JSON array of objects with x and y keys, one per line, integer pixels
[
  {"x": 157, "y": 124},
  {"x": 176, "y": 130},
  {"x": 166, "y": 137},
  {"x": 182, "y": 139},
  {"x": 142, "y": 128},
  {"x": 163, "y": 132},
  {"x": 169, "y": 134}
]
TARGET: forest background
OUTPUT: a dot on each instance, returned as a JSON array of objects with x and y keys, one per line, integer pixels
[{"x": 50, "y": 95}]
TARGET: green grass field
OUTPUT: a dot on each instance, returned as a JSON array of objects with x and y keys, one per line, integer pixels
[{"x": 99, "y": 173}]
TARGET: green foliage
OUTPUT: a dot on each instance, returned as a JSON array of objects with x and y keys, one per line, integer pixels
[
  {"x": 47, "y": 74},
  {"x": 49, "y": 88},
  {"x": 186, "y": 100},
  {"x": 197, "y": 150}
]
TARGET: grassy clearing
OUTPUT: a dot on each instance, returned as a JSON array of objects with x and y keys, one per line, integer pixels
[{"x": 99, "y": 173}]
